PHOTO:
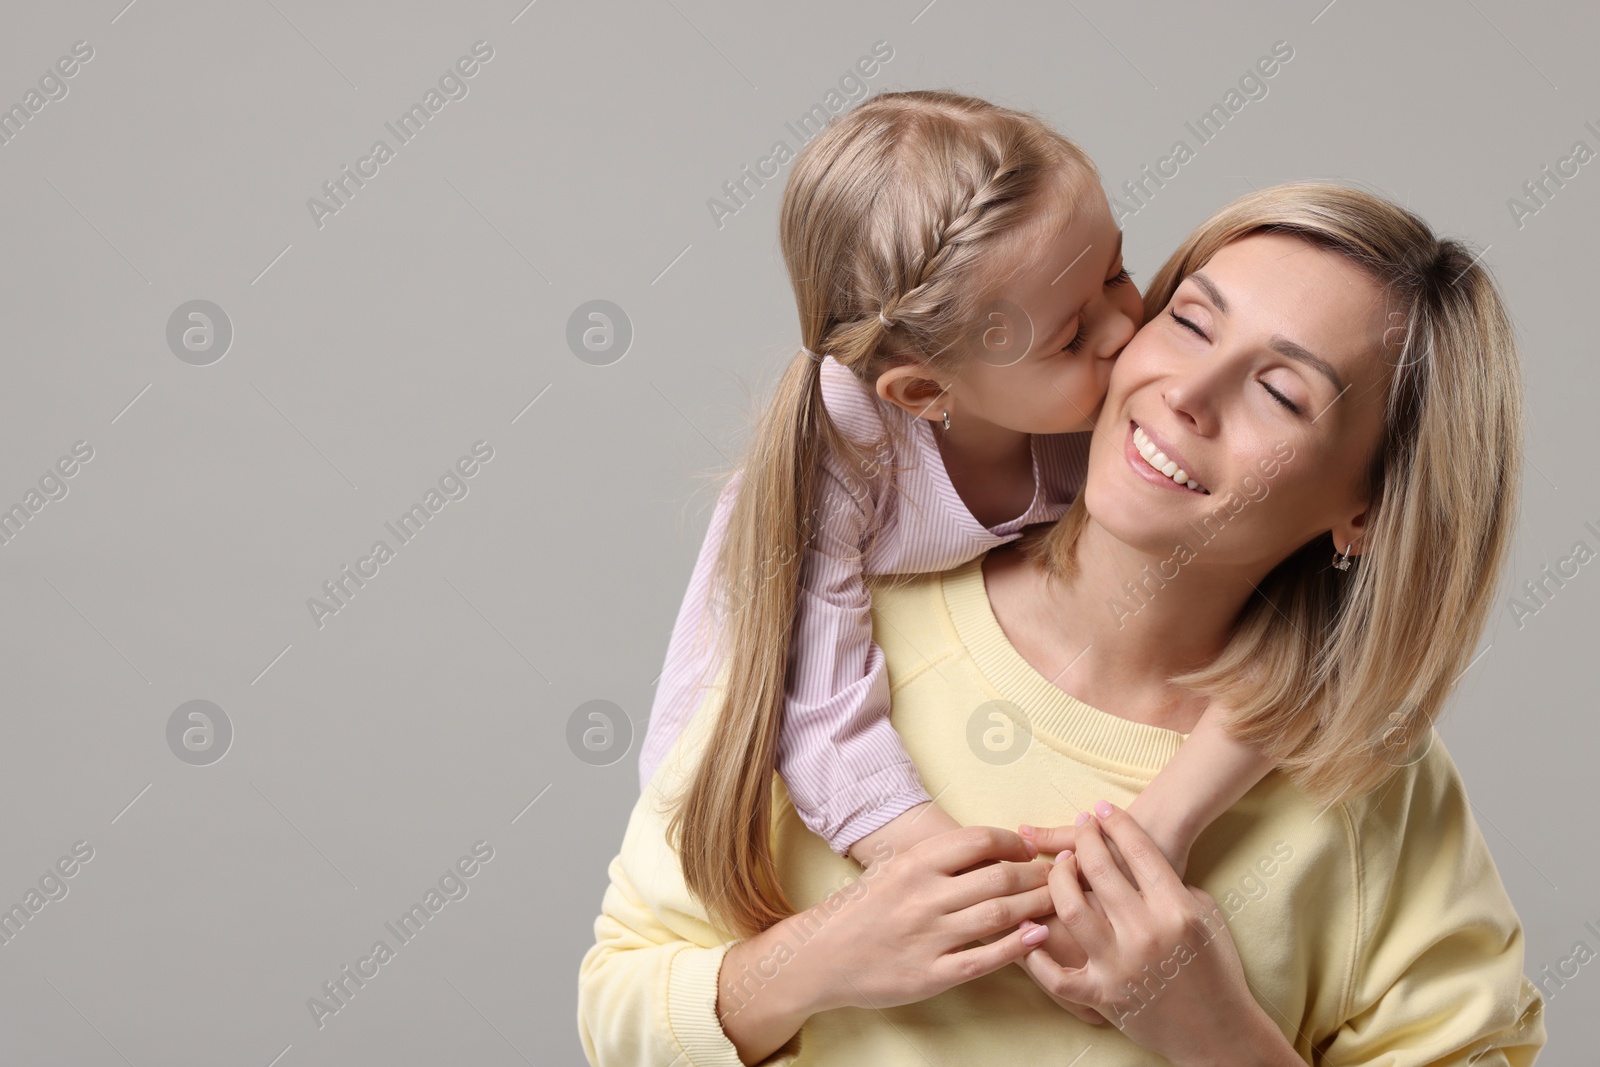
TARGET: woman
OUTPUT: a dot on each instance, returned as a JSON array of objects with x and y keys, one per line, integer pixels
[{"x": 1345, "y": 388}]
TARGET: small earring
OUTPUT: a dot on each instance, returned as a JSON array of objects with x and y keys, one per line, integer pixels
[
  {"x": 947, "y": 420},
  {"x": 1342, "y": 562}
]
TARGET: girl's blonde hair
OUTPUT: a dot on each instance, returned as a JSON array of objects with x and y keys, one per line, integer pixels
[
  {"x": 907, "y": 210},
  {"x": 1339, "y": 676}
]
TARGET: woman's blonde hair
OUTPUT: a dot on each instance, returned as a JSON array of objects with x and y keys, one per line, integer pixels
[
  {"x": 898, "y": 220},
  {"x": 1339, "y": 676}
]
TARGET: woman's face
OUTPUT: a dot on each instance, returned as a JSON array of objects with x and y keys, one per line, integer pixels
[{"x": 1269, "y": 322}]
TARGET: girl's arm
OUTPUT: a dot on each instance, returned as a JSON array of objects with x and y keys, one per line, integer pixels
[
  {"x": 839, "y": 690},
  {"x": 1209, "y": 773},
  {"x": 844, "y": 765},
  {"x": 1206, "y": 776},
  {"x": 915, "y": 824},
  {"x": 691, "y": 651}
]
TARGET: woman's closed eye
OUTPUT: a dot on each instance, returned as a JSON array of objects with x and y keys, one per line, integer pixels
[{"x": 1190, "y": 326}]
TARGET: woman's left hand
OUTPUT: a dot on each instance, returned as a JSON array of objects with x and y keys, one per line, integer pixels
[{"x": 1162, "y": 965}]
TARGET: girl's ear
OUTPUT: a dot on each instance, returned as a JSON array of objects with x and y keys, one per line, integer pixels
[{"x": 913, "y": 388}]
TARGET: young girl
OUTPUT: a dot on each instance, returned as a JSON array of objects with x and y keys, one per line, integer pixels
[{"x": 961, "y": 297}]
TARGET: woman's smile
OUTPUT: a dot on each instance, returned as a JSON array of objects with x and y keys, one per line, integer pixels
[{"x": 1143, "y": 455}]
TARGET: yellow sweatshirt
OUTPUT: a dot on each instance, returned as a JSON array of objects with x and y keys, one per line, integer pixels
[{"x": 1375, "y": 932}]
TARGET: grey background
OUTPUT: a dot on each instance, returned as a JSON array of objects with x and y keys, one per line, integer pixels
[{"x": 431, "y": 312}]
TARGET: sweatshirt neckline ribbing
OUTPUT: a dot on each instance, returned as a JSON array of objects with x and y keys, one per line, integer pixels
[{"x": 1086, "y": 733}]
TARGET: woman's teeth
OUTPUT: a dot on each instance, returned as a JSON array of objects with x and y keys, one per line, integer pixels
[{"x": 1158, "y": 459}]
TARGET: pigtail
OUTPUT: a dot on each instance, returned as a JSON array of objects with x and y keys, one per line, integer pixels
[{"x": 894, "y": 224}]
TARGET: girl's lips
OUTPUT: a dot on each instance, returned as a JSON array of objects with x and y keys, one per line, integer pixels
[{"x": 1147, "y": 472}]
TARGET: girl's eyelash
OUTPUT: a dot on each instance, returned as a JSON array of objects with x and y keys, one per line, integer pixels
[
  {"x": 1279, "y": 397},
  {"x": 1077, "y": 341},
  {"x": 1122, "y": 277}
]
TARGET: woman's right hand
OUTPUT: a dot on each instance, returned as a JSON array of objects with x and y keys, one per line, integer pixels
[
  {"x": 902, "y": 932},
  {"x": 909, "y": 935},
  {"x": 1062, "y": 947}
]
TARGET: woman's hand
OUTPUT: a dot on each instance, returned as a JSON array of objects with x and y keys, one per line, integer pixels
[
  {"x": 900, "y": 933},
  {"x": 929, "y": 820},
  {"x": 1059, "y": 944},
  {"x": 1162, "y": 965},
  {"x": 906, "y": 937},
  {"x": 1064, "y": 949}
]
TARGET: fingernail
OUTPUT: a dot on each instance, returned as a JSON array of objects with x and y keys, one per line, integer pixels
[
  {"x": 1060, "y": 856},
  {"x": 1031, "y": 848},
  {"x": 1036, "y": 935},
  {"x": 1025, "y": 830},
  {"x": 1103, "y": 809},
  {"x": 1083, "y": 817}
]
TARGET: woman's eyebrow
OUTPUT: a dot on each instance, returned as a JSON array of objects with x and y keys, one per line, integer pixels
[
  {"x": 1209, "y": 287},
  {"x": 1279, "y": 343},
  {"x": 1299, "y": 354}
]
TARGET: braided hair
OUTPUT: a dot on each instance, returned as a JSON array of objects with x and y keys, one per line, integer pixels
[{"x": 897, "y": 220}]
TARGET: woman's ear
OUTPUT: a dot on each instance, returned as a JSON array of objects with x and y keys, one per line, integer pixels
[
  {"x": 913, "y": 388},
  {"x": 1349, "y": 532}
]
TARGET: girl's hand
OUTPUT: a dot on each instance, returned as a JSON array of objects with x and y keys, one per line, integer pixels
[
  {"x": 907, "y": 934},
  {"x": 1162, "y": 965},
  {"x": 1172, "y": 831},
  {"x": 1167, "y": 834}
]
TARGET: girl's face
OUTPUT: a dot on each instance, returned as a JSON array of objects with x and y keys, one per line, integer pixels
[
  {"x": 1263, "y": 380},
  {"x": 1041, "y": 359}
]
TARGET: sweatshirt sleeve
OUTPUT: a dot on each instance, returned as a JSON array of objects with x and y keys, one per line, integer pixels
[
  {"x": 691, "y": 651},
  {"x": 1437, "y": 974},
  {"x": 844, "y": 765},
  {"x": 647, "y": 987}
]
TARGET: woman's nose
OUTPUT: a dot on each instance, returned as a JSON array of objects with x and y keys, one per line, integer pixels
[{"x": 1193, "y": 392}]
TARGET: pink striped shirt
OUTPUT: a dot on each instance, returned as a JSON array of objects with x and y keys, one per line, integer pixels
[{"x": 842, "y": 762}]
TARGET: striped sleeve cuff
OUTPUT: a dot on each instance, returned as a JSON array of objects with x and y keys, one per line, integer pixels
[{"x": 861, "y": 807}]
